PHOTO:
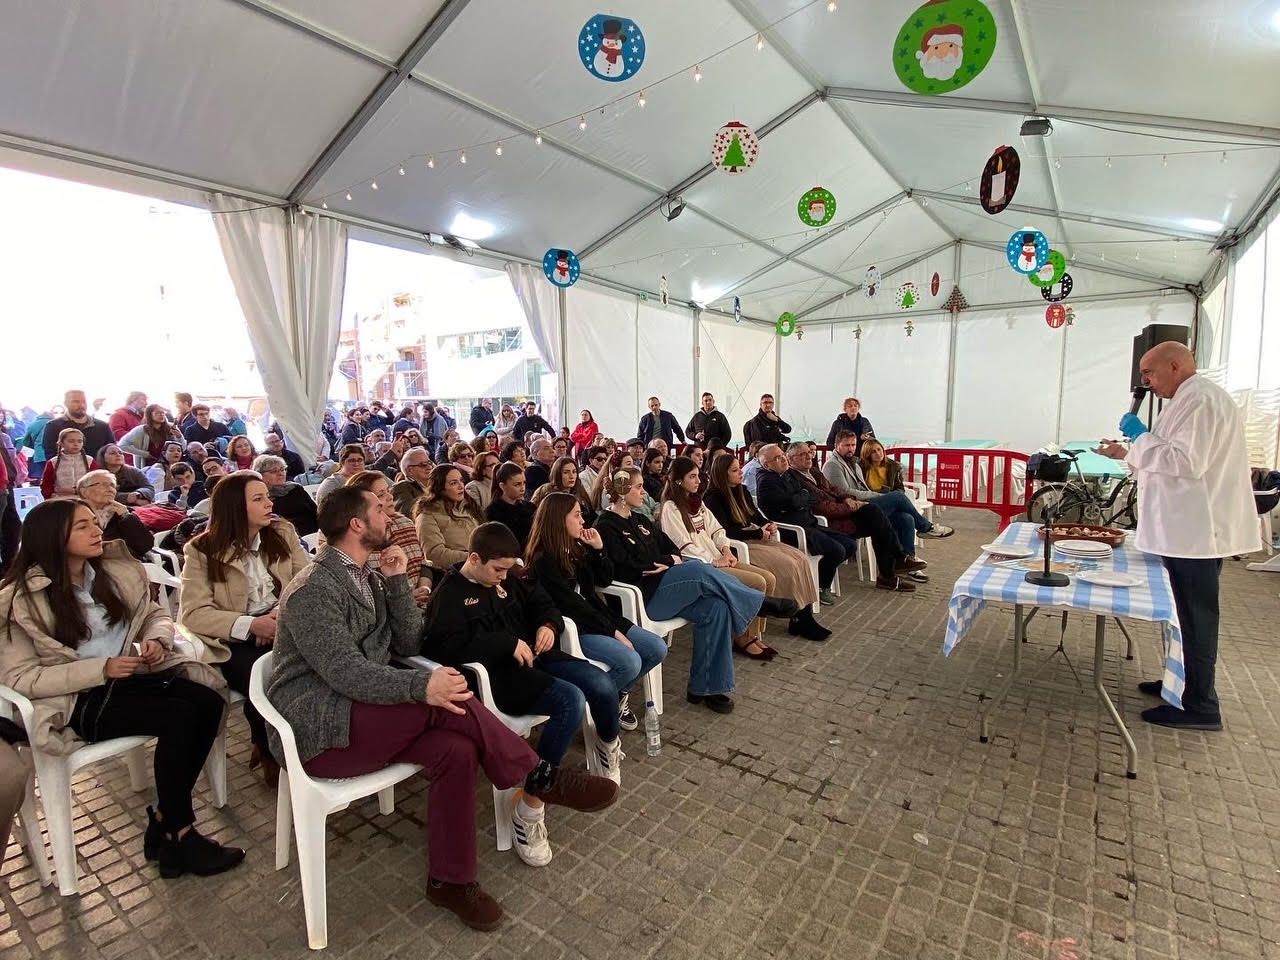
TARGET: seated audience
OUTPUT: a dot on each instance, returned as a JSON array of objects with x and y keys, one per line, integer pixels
[
  {"x": 508, "y": 504},
  {"x": 353, "y": 713},
  {"x": 388, "y": 463},
  {"x": 240, "y": 453},
  {"x": 351, "y": 460},
  {"x": 480, "y": 487},
  {"x": 161, "y": 473},
  {"x": 635, "y": 447},
  {"x": 67, "y": 465},
  {"x": 232, "y": 578},
  {"x": 657, "y": 443},
  {"x": 235, "y": 423},
  {"x": 510, "y": 625},
  {"x": 766, "y": 426},
  {"x": 402, "y": 532},
  {"x": 380, "y": 417},
  {"x": 182, "y": 404},
  {"x": 148, "y": 440},
  {"x": 374, "y": 439},
  {"x": 529, "y": 422},
  {"x": 129, "y": 416},
  {"x": 431, "y": 432},
  {"x": 415, "y": 467},
  {"x": 514, "y": 452},
  {"x": 751, "y": 470},
  {"x": 96, "y": 434},
  {"x": 132, "y": 487},
  {"x": 214, "y": 470},
  {"x": 355, "y": 427},
  {"x": 654, "y": 469},
  {"x": 450, "y": 439},
  {"x": 721, "y": 609},
  {"x": 539, "y": 470},
  {"x": 445, "y": 518},
  {"x": 593, "y": 462},
  {"x": 289, "y": 501},
  {"x": 699, "y": 458},
  {"x": 95, "y": 654},
  {"x": 564, "y": 479},
  {"x": 187, "y": 491},
  {"x": 731, "y": 504},
  {"x": 850, "y": 419},
  {"x": 504, "y": 423},
  {"x": 561, "y": 447},
  {"x": 405, "y": 422},
  {"x": 586, "y": 431},
  {"x": 98, "y": 489},
  {"x": 882, "y": 474},
  {"x": 293, "y": 465},
  {"x": 481, "y": 415},
  {"x": 205, "y": 429},
  {"x": 463, "y": 457}
]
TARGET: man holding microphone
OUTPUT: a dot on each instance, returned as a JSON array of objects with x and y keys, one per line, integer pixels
[{"x": 1195, "y": 506}]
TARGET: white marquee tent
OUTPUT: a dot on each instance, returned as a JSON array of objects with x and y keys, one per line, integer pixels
[{"x": 1164, "y": 156}]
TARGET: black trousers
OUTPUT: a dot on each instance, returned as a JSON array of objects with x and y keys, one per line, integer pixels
[
  {"x": 832, "y": 548},
  {"x": 236, "y": 672},
  {"x": 181, "y": 714},
  {"x": 1195, "y": 594},
  {"x": 10, "y": 529}
]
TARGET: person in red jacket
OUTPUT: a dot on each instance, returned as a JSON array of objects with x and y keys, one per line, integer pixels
[
  {"x": 128, "y": 416},
  {"x": 586, "y": 431}
]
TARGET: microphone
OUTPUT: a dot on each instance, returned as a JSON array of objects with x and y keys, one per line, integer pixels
[{"x": 1139, "y": 394}]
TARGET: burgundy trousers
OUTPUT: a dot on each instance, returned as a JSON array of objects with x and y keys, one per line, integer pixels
[{"x": 448, "y": 747}]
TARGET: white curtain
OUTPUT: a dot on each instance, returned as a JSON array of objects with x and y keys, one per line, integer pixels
[
  {"x": 289, "y": 275},
  {"x": 541, "y": 303}
]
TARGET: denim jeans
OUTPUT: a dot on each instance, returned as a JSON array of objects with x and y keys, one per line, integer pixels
[
  {"x": 594, "y": 686},
  {"x": 563, "y": 703},
  {"x": 903, "y": 516},
  {"x": 719, "y": 607},
  {"x": 625, "y": 666}
]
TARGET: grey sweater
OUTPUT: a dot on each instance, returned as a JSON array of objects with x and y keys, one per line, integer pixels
[
  {"x": 332, "y": 649},
  {"x": 847, "y": 477}
]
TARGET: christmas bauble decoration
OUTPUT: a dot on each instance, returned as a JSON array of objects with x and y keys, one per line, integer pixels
[
  {"x": 1051, "y": 272},
  {"x": 611, "y": 47},
  {"x": 906, "y": 296},
  {"x": 871, "y": 282},
  {"x": 816, "y": 207},
  {"x": 561, "y": 267},
  {"x": 944, "y": 45},
  {"x": 786, "y": 324},
  {"x": 1027, "y": 250},
  {"x": 735, "y": 147},
  {"x": 999, "y": 180},
  {"x": 1060, "y": 292},
  {"x": 1055, "y": 315}
]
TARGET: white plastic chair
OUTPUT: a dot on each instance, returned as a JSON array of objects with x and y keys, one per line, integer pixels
[
  {"x": 632, "y": 602},
  {"x": 29, "y": 838},
  {"x": 173, "y": 558},
  {"x": 311, "y": 543},
  {"x": 1264, "y": 523},
  {"x": 24, "y": 498},
  {"x": 919, "y": 495},
  {"x": 168, "y": 586},
  {"x": 312, "y": 489},
  {"x": 304, "y": 803}
]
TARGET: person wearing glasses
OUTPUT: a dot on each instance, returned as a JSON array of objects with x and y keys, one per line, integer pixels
[
  {"x": 766, "y": 426},
  {"x": 351, "y": 460},
  {"x": 594, "y": 462}
]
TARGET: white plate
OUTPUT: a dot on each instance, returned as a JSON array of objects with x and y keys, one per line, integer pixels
[
  {"x": 1110, "y": 578},
  {"x": 1083, "y": 548},
  {"x": 1007, "y": 550}
]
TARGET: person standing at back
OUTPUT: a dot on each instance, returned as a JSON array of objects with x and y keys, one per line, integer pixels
[
  {"x": 129, "y": 416},
  {"x": 96, "y": 433},
  {"x": 482, "y": 415},
  {"x": 766, "y": 426},
  {"x": 709, "y": 424},
  {"x": 659, "y": 424},
  {"x": 530, "y": 422},
  {"x": 850, "y": 419},
  {"x": 1197, "y": 506}
]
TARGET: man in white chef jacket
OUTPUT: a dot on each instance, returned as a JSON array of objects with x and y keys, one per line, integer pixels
[{"x": 1195, "y": 506}]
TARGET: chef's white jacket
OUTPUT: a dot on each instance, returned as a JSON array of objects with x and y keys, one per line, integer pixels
[{"x": 1192, "y": 469}]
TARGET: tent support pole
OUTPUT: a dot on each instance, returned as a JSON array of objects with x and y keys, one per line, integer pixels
[{"x": 951, "y": 350}]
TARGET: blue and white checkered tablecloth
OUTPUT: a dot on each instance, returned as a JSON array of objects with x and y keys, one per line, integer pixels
[{"x": 984, "y": 582}]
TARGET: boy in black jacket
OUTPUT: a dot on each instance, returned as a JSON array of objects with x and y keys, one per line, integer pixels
[{"x": 510, "y": 625}]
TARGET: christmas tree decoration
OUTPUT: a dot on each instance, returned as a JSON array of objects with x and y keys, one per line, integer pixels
[
  {"x": 786, "y": 324},
  {"x": 944, "y": 45},
  {"x": 611, "y": 47},
  {"x": 737, "y": 309},
  {"x": 561, "y": 267},
  {"x": 871, "y": 282},
  {"x": 1051, "y": 272},
  {"x": 816, "y": 207},
  {"x": 1055, "y": 315},
  {"x": 907, "y": 296},
  {"x": 956, "y": 302},
  {"x": 664, "y": 290},
  {"x": 1027, "y": 250},
  {"x": 935, "y": 284},
  {"x": 735, "y": 147},
  {"x": 1063, "y": 290},
  {"x": 999, "y": 180}
]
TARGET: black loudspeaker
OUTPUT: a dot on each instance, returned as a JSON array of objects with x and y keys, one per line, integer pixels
[{"x": 1151, "y": 335}]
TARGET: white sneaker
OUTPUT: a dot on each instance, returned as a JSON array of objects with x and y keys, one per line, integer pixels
[
  {"x": 937, "y": 532},
  {"x": 529, "y": 837},
  {"x": 609, "y": 757}
]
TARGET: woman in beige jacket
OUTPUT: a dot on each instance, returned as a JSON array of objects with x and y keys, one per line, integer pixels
[
  {"x": 445, "y": 518},
  {"x": 83, "y": 640},
  {"x": 232, "y": 579}
]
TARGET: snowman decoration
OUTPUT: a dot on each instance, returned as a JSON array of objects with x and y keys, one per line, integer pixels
[
  {"x": 609, "y": 63},
  {"x": 562, "y": 266},
  {"x": 1027, "y": 259}
]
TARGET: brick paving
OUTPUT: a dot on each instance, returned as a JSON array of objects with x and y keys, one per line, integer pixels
[{"x": 845, "y": 810}]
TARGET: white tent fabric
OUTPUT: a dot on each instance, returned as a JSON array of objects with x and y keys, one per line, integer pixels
[
  {"x": 737, "y": 363},
  {"x": 902, "y": 381},
  {"x": 600, "y": 342},
  {"x": 541, "y": 305},
  {"x": 288, "y": 274}
]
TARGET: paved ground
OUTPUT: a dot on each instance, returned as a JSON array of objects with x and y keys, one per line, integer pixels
[{"x": 845, "y": 810}]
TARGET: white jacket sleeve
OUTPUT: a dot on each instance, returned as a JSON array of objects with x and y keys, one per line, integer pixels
[
  {"x": 714, "y": 530},
  {"x": 1185, "y": 451}
]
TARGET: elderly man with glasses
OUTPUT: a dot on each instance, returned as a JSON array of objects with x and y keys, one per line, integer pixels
[{"x": 416, "y": 467}]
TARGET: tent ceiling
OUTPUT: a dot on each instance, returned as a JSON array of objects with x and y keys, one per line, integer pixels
[{"x": 254, "y": 94}]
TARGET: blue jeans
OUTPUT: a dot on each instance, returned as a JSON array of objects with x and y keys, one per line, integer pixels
[
  {"x": 589, "y": 685},
  {"x": 720, "y": 608},
  {"x": 625, "y": 666},
  {"x": 903, "y": 516}
]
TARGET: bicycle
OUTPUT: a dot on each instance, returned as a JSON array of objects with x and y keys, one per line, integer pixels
[{"x": 1077, "y": 501}]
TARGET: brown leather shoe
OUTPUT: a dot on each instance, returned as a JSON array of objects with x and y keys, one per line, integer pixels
[
  {"x": 468, "y": 902},
  {"x": 898, "y": 584},
  {"x": 577, "y": 790},
  {"x": 270, "y": 769},
  {"x": 909, "y": 565}
]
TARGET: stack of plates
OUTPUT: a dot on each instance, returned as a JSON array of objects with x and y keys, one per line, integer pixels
[{"x": 1083, "y": 549}]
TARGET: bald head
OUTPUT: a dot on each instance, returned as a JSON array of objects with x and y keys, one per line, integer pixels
[
  {"x": 1165, "y": 367},
  {"x": 772, "y": 457}
]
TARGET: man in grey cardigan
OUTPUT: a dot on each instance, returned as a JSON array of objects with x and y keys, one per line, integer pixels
[
  {"x": 843, "y": 471},
  {"x": 353, "y": 713}
]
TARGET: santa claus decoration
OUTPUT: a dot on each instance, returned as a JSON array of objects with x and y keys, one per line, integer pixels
[
  {"x": 944, "y": 45},
  {"x": 816, "y": 207}
]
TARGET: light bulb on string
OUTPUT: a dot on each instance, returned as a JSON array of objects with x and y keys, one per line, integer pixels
[
  {"x": 325, "y": 205},
  {"x": 1223, "y": 158},
  {"x": 462, "y": 157},
  {"x": 759, "y": 42},
  {"x": 697, "y": 74},
  {"x": 348, "y": 194},
  {"x": 1164, "y": 160},
  {"x": 498, "y": 149},
  {"x": 831, "y": 6},
  {"x": 537, "y": 138},
  {"x": 642, "y": 101},
  {"x": 582, "y": 123},
  {"x": 1057, "y": 163},
  {"x": 1108, "y": 163},
  {"x": 373, "y": 184},
  {"x": 431, "y": 163},
  {"x": 401, "y": 170}
]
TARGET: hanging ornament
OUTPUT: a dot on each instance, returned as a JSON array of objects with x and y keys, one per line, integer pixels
[
  {"x": 816, "y": 207},
  {"x": 935, "y": 284},
  {"x": 1055, "y": 315},
  {"x": 1063, "y": 290},
  {"x": 799, "y": 332},
  {"x": 737, "y": 310},
  {"x": 1051, "y": 272},
  {"x": 611, "y": 48},
  {"x": 857, "y": 332},
  {"x": 999, "y": 180},
  {"x": 561, "y": 267},
  {"x": 871, "y": 282},
  {"x": 735, "y": 147},
  {"x": 1071, "y": 315},
  {"x": 1027, "y": 250},
  {"x": 956, "y": 302},
  {"x": 944, "y": 45},
  {"x": 664, "y": 290},
  {"x": 786, "y": 324},
  {"x": 907, "y": 296},
  {"x": 909, "y": 326}
]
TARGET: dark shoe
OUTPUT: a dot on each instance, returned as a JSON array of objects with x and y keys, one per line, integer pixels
[
  {"x": 914, "y": 559},
  {"x": 719, "y": 702},
  {"x": 195, "y": 853},
  {"x": 468, "y": 902},
  {"x": 1150, "y": 687},
  {"x": 761, "y": 654},
  {"x": 826, "y": 597},
  {"x": 908, "y": 565},
  {"x": 575, "y": 789},
  {"x": 270, "y": 769},
  {"x": 1167, "y": 715},
  {"x": 895, "y": 583},
  {"x": 779, "y": 607},
  {"x": 627, "y": 718},
  {"x": 155, "y": 838},
  {"x": 804, "y": 625}
]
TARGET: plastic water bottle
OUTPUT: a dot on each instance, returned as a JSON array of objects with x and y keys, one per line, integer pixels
[{"x": 653, "y": 736}]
